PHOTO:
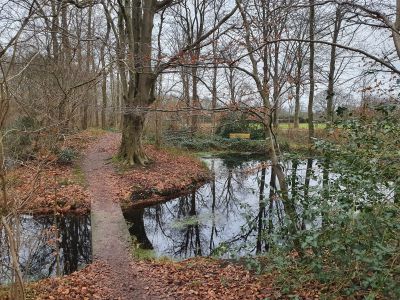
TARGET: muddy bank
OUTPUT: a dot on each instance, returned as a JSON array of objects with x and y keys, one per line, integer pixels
[
  {"x": 167, "y": 176},
  {"x": 145, "y": 198}
]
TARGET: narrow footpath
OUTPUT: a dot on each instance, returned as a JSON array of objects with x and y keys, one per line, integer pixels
[{"x": 110, "y": 235}]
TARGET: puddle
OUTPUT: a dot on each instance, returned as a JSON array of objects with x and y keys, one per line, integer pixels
[{"x": 48, "y": 246}]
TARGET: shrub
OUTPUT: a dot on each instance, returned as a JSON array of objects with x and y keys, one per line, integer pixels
[
  {"x": 66, "y": 156},
  {"x": 236, "y": 122}
]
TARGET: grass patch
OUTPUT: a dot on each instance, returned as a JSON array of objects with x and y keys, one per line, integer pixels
[{"x": 144, "y": 254}]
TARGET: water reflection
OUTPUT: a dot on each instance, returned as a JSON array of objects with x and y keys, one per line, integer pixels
[
  {"x": 238, "y": 210},
  {"x": 48, "y": 246}
]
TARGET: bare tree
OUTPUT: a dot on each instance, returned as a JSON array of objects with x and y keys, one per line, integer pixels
[
  {"x": 266, "y": 118},
  {"x": 138, "y": 74}
]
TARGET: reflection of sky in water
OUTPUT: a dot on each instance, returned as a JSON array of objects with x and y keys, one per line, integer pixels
[
  {"x": 38, "y": 246},
  {"x": 183, "y": 228}
]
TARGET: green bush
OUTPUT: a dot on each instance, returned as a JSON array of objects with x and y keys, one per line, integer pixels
[
  {"x": 238, "y": 145},
  {"x": 237, "y": 122},
  {"x": 217, "y": 143},
  {"x": 66, "y": 156}
]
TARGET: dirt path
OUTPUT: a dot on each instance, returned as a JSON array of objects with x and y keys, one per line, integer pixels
[{"x": 110, "y": 236}]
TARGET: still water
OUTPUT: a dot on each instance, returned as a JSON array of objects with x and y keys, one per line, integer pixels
[
  {"x": 48, "y": 246},
  {"x": 230, "y": 216}
]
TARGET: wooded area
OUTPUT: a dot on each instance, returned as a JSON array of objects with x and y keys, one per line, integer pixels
[{"x": 291, "y": 80}]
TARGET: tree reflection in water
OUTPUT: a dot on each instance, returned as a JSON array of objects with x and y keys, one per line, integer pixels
[
  {"x": 239, "y": 210},
  {"x": 48, "y": 246}
]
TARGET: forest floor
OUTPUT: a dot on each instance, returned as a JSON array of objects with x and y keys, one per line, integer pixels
[
  {"x": 45, "y": 186},
  {"x": 115, "y": 274}
]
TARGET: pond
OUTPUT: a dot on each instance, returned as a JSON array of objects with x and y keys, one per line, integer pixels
[
  {"x": 48, "y": 246},
  {"x": 229, "y": 216}
]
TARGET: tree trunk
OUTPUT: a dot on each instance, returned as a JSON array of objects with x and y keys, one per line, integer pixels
[
  {"x": 158, "y": 115},
  {"x": 311, "y": 71},
  {"x": 131, "y": 149},
  {"x": 104, "y": 80},
  {"x": 95, "y": 105},
  {"x": 214, "y": 88},
  {"x": 17, "y": 291},
  {"x": 113, "y": 101},
  {"x": 120, "y": 117},
  {"x": 396, "y": 36},
  {"x": 298, "y": 87},
  {"x": 85, "y": 117},
  {"x": 3, "y": 179},
  {"x": 54, "y": 30},
  {"x": 104, "y": 100},
  {"x": 186, "y": 94},
  {"x": 332, "y": 67},
  {"x": 195, "y": 101},
  {"x": 275, "y": 80},
  {"x": 66, "y": 46}
]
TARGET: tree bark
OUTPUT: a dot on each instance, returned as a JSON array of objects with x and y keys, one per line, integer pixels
[
  {"x": 66, "y": 46},
  {"x": 396, "y": 36},
  {"x": 332, "y": 68},
  {"x": 138, "y": 80},
  {"x": 54, "y": 30},
  {"x": 186, "y": 94},
  {"x": 89, "y": 50},
  {"x": 18, "y": 289},
  {"x": 195, "y": 101},
  {"x": 275, "y": 80},
  {"x": 299, "y": 66},
  {"x": 311, "y": 71},
  {"x": 214, "y": 88},
  {"x": 131, "y": 149},
  {"x": 104, "y": 80}
]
